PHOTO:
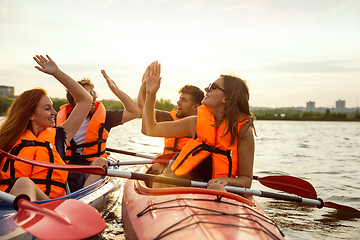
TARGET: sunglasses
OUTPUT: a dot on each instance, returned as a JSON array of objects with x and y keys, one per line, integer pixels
[
  {"x": 213, "y": 86},
  {"x": 92, "y": 93}
]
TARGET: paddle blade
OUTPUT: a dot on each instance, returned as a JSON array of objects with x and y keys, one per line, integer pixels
[
  {"x": 340, "y": 207},
  {"x": 60, "y": 219},
  {"x": 289, "y": 184}
]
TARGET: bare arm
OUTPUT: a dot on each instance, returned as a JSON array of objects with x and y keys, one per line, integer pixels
[
  {"x": 150, "y": 126},
  {"x": 131, "y": 111},
  {"x": 142, "y": 91},
  {"x": 246, "y": 151},
  {"x": 83, "y": 98},
  {"x": 159, "y": 115}
]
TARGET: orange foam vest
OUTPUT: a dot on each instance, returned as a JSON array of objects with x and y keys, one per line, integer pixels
[
  {"x": 95, "y": 138},
  {"x": 40, "y": 148},
  {"x": 209, "y": 141},
  {"x": 174, "y": 144}
]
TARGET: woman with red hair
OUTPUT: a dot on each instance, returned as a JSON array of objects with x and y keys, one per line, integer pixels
[{"x": 28, "y": 130}]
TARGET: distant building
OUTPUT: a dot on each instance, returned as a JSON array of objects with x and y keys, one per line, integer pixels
[
  {"x": 340, "y": 106},
  {"x": 310, "y": 106},
  {"x": 6, "y": 91}
]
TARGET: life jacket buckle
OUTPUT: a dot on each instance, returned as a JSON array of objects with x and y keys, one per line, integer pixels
[{"x": 30, "y": 143}]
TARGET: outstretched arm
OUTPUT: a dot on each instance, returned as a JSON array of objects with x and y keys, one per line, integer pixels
[
  {"x": 83, "y": 98},
  {"x": 159, "y": 115},
  {"x": 150, "y": 126},
  {"x": 142, "y": 91},
  {"x": 131, "y": 111}
]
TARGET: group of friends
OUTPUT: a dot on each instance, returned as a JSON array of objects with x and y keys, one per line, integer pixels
[{"x": 213, "y": 133}]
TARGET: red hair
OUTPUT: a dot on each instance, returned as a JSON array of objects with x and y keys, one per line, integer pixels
[{"x": 17, "y": 119}]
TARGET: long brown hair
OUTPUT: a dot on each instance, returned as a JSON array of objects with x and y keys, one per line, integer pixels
[
  {"x": 17, "y": 119},
  {"x": 237, "y": 106}
]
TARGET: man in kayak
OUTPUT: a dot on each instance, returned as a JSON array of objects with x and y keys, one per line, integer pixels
[
  {"x": 28, "y": 131},
  {"x": 221, "y": 151},
  {"x": 89, "y": 143},
  {"x": 189, "y": 100}
]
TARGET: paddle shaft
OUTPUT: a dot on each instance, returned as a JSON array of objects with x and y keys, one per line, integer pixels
[
  {"x": 7, "y": 197},
  {"x": 183, "y": 182},
  {"x": 129, "y": 153},
  {"x": 189, "y": 183}
]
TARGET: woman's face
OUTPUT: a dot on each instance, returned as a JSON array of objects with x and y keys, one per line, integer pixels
[
  {"x": 215, "y": 94},
  {"x": 44, "y": 114}
]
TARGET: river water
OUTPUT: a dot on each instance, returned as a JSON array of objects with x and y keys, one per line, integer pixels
[{"x": 326, "y": 154}]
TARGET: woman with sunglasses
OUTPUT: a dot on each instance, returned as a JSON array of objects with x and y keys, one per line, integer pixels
[
  {"x": 222, "y": 149},
  {"x": 28, "y": 130}
]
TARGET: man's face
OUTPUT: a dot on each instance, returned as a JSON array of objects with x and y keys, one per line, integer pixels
[
  {"x": 94, "y": 96},
  {"x": 185, "y": 105}
]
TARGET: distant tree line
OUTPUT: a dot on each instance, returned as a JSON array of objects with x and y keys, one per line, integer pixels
[
  {"x": 161, "y": 104},
  {"x": 297, "y": 115},
  {"x": 264, "y": 114}
]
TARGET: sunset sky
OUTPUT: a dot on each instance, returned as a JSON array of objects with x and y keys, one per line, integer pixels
[{"x": 289, "y": 52}]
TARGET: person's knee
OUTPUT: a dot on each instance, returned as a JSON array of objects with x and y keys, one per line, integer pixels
[
  {"x": 24, "y": 183},
  {"x": 100, "y": 161}
]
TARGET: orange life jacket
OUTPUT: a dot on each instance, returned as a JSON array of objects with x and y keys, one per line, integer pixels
[
  {"x": 209, "y": 141},
  {"x": 174, "y": 144},
  {"x": 40, "y": 148},
  {"x": 95, "y": 138}
]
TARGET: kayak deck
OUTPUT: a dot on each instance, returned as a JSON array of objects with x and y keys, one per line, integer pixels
[{"x": 192, "y": 213}]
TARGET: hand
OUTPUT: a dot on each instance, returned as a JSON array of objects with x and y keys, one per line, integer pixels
[
  {"x": 46, "y": 65},
  {"x": 112, "y": 85},
  {"x": 217, "y": 183},
  {"x": 153, "y": 78},
  {"x": 146, "y": 74}
]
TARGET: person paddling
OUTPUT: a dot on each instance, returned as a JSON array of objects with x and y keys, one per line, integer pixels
[
  {"x": 222, "y": 149},
  {"x": 28, "y": 131}
]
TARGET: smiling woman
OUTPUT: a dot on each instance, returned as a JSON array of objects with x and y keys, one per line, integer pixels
[
  {"x": 28, "y": 131},
  {"x": 221, "y": 151},
  {"x": 43, "y": 116}
]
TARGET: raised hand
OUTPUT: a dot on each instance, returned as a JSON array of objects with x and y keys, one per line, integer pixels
[
  {"x": 153, "y": 78},
  {"x": 146, "y": 74},
  {"x": 47, "y": 66},
  {"x": 112, "y": 85}
]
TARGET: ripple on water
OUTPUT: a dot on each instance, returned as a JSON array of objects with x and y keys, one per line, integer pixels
[{"x": 326, "y": 154}]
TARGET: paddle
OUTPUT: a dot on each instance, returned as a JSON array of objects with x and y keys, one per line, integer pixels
[
  {"x": 58, "y": 219},
  {"x": 283, "y": 183},
  {"x": 289, "y": 184},
  {"x": 179, "y": 182},
  {"x": 163, "y": 158},
  {"x": 130, "y": 153}
]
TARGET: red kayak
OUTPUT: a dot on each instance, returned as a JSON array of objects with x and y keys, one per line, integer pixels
[{"x": 192, "y": 213}]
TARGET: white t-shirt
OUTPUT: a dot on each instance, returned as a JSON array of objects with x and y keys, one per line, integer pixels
[{"x": 79, "y": 137}]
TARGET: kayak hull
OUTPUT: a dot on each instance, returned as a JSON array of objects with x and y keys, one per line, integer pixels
[
  {"x": 192, "y": 213},
  {"x": 102, "y": 195}
]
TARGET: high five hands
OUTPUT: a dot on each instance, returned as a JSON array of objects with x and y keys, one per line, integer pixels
[
  {"x": 111, "y": 83},
  {"x": 152, "y": 77}
]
